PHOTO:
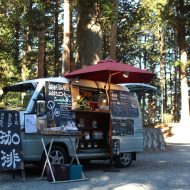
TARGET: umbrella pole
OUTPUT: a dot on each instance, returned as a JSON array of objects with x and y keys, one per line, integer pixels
[{"x": 110, "y": 122}]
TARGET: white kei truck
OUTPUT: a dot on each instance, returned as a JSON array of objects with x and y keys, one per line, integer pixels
[{"x": 109, "y": 119}]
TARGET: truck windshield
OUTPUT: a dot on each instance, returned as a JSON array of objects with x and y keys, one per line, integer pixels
[{"x": 16, "y": 97}]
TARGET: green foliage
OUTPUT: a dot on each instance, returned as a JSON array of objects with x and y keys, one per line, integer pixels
[
  {"x": 8, "y": 72},
  {"x": 167, "y": 118},
  {"x": 177, "y": 63},
  {"x": 8, "y": 69},
  {"x": 141, "y": 25}
]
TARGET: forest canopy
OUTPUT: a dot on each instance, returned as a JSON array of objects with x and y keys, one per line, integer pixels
[{"x": 43, "y": 38}]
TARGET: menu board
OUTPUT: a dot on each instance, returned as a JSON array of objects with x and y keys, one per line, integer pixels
[
  {"x": 11, "y": 155},
  {"x": 124, "y": 108},
  {"x": 124, "y": 104},
  {"x": 58, "y": 103},
  {"x": 122, "y": 127}
]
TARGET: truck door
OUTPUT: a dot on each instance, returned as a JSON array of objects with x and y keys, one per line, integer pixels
[{"x": 126, "y": 121}]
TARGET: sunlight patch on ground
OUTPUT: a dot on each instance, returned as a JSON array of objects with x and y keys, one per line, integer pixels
[
  {"x": 135, "y": 186},
  {"x": 181, "y": 133},
  {"x": 103, "y": 178},
  {"x": 162, "y": 161}
]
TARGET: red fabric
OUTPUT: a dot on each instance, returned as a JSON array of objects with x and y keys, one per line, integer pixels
[{"x": 101, "y": 71}]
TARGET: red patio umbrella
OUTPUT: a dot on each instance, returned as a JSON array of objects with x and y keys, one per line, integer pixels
[{"x": 106, "y": 68}]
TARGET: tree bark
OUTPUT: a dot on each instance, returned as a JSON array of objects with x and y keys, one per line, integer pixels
[
  {"x": 184, "y": 90},
  {"x": 29, "y": 36},
  {"x": 66, "y": 59},
  {"x": 113, "y": 38},
  {"x": 56, "y": 50},
  {"x": 24, "y": 48},
  {"x": 41, "y": 47},
  {"x": 16, "y": 46},
  {"x": 176, "y": 86},
  {"x": 180, "y": 26},
  {"x": 89, "y": 36},
  {"x": 161, "y": 42}
]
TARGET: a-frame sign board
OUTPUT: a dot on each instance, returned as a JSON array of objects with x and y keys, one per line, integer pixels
[{"x": 11, "y": 153}]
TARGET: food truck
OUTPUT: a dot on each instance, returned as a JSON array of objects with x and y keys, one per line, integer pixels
[{"x": 106, "y": 120}]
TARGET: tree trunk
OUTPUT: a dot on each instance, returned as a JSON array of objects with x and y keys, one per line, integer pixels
[
  {"x": 166, "y": 85},
  {"x": 184, "y": 90},
  {"x": 29, "y": 44},
  {"x": 89, "y": 36},
  {"x": 183, "y": 56},
  {"x": 161, "y": 42},
  {"x": 66, "y": 39},
  {"x": 24, "y": 48},
  {"x": 176, "y": 86},
  {"x": 113, "y": 38},
  {"x": 16, "y": 46},
  {"x": 56, "y": 50},
  {"x": 41, "y": 47}
]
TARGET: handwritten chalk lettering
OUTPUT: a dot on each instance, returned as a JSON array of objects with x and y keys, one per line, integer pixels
[
  {"x": 10, "y": 123},
  {"x": 9, "y": 160},
  {"x": 58, "y": 87},
  {"x": 8, "y": 139},
  {"x": 65, "y": 99},
  {"x": 60, "y": 96},
  {"x": 56, "y": 112},
  {"x": 58, "y": 102},
  {"x": 122, "y": 127},
  {"x": 56, "y": 93},
  {"x": 2, "y": 115},
  {"x": 16, "y": 119},
  {"x": 1, "y": 123},
  {"x": 51, "y": 106}
]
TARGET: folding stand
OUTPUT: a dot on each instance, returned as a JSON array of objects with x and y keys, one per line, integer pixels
[{"x": 47, "y": 153}]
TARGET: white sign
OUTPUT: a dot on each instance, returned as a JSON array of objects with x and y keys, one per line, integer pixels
[{"x": 30, "y": 123}]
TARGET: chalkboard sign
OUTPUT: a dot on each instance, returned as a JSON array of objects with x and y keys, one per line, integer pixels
[
  {"x": 58, "y": 103},
  {"x": 124, "y": 104},
  {"x": 122, "y": 127},
  {"x": 11, "y": 157}
]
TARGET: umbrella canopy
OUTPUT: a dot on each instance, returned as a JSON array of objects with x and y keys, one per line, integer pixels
[{"x": 103, "y": 69}]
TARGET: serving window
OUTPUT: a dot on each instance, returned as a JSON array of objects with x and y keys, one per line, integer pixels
[{"x": 89, "y": 99}]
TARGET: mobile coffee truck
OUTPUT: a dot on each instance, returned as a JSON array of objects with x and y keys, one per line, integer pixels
[{"x": 62, "y": 105}]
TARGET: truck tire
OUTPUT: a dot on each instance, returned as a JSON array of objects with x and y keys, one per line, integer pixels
[
  {"x": 124, "y": 159},
  {"x": 58, "y": 155}
]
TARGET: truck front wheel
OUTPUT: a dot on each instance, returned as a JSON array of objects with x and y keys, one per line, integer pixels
[
  {"x": 57, "y": 155},
  {"x": 124, "y": 159}
]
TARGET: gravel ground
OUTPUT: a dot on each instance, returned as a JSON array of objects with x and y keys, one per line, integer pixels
[{"x": 168, "y": 170}]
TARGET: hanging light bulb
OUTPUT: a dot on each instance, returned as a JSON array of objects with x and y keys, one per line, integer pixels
[
  {"x": 77, "y": 79},
  {"x": 126, "y": 74}
]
